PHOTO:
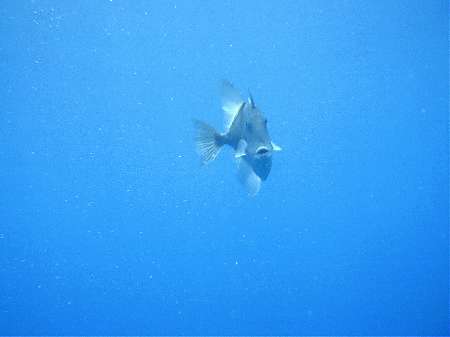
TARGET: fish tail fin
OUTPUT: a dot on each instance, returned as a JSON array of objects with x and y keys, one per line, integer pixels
[{"x": 208, "y": 141}]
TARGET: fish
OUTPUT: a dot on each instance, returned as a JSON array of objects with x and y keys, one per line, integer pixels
[{"x": 245, "y": 132}]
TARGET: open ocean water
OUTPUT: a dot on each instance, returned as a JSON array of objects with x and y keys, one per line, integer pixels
[{"x": 110, "y": 225}]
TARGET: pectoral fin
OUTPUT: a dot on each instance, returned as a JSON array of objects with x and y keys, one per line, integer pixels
[
  {"x": 275, "y": 147},
  {"x": 241, "y": 149}
]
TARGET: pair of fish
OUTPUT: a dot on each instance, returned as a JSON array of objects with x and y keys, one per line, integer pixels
[{"x": 246, "y": 132}]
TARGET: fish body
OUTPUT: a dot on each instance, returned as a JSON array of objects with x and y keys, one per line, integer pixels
[{"x": 246, "y": 132}]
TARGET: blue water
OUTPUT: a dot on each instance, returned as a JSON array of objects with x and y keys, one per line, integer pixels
[{"x": 110, "y": 225}]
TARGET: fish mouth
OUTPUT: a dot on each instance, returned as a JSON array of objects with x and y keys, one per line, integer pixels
[{"x": 262, "y": 151}]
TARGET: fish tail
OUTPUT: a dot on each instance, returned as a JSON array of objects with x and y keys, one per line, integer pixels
[{"x": 208, "y": 141}]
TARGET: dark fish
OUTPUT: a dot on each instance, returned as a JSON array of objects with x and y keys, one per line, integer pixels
[{"x": 246, "y": 132}]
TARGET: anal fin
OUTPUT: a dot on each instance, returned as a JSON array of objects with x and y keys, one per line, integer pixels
[{"x": 248, "y": 177}]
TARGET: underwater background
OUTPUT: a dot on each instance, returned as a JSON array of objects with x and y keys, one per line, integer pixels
[{"x": 109, "y": 224}]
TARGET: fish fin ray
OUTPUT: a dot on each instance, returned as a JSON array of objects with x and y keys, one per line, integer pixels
[{"x": 208, "y": 141}]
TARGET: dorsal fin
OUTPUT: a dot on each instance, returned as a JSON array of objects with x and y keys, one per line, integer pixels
[
  {"x": 250, "y": 100},
  {"x": 231, "y": 102}
]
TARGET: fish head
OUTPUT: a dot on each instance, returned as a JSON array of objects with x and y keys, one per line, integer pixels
[{"x": 256, "y": 134}]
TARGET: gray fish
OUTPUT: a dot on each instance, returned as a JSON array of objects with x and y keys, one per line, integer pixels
[{"x": 246, "y": 132}]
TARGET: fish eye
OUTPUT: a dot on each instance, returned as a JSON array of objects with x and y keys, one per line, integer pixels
[{"x": 265, "y": 121}]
